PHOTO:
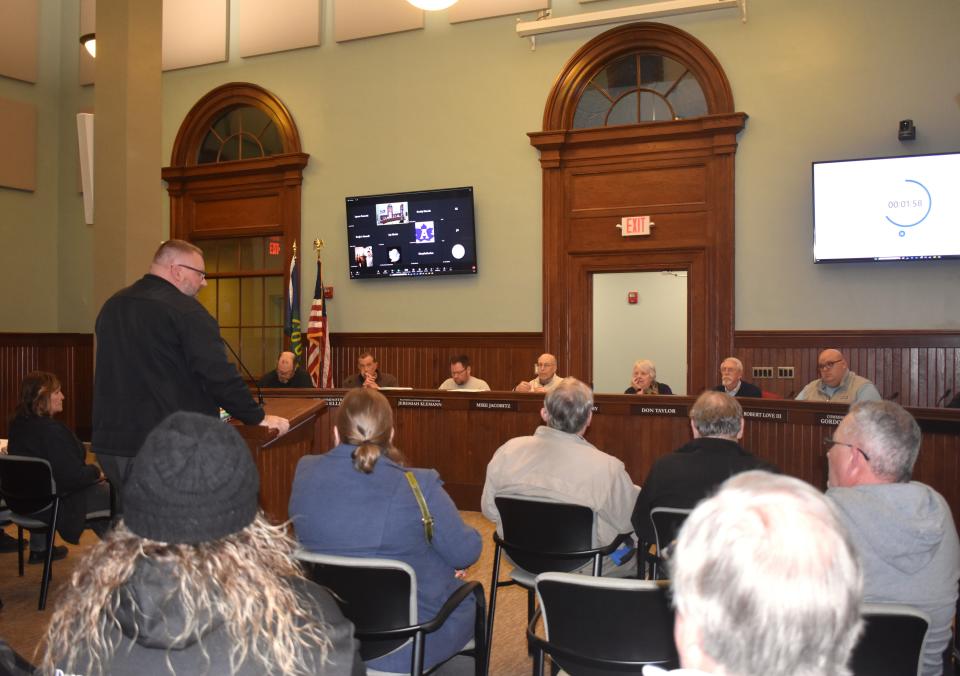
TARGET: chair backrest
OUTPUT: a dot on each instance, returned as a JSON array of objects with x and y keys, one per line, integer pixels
[
  {"x": 26, "y": 484},
  {"x": 374, "y": 594},
  {"x": 628, "y": 621},
  {"x": 892, "y": 641},
  {"x": 667, "y": 522},
  {"x": 543, "y": 528}
]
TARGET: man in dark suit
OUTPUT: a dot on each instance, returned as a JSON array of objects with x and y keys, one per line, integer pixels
[
  {"x": 731, "y": 372},
  {"x": 693, "y": 471}
]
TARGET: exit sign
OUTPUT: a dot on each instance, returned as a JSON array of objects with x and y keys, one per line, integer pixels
[{"x": 635, "y": 225}]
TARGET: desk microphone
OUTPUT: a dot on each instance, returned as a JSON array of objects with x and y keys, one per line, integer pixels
[
  {"x": 944, "y": 397},
  {"x": 790, "y": 396},
  {"x": 893, "y": 396},
  {"x": 245, "y": 370}
]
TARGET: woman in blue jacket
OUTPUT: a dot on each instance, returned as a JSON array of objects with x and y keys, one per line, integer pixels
[{"x": 356, "y": 501}]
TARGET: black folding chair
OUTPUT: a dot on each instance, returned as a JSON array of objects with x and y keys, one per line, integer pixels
[
  {"x": 28, "y": 488},
  {"x": 540, "y": 537},
  {"x": 892, "y": 641},
  {"x": 380, "y": 597},
  {"x": 598, "y": 626},
  {"x": 667, "y": 522}
]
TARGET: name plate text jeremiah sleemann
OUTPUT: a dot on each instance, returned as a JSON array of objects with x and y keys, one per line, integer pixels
[{"x": 419, "y": 403}]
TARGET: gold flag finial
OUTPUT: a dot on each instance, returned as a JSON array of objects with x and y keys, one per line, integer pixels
[
  {"x": 294, "y": 248},
  {"x": 318, "y": 247}
]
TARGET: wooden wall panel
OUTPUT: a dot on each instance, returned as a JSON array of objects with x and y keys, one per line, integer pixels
[
  {"x": 68, "y": 355},
  {"x": 422, "y": 359},
  {"x": 911, "y": 367}
]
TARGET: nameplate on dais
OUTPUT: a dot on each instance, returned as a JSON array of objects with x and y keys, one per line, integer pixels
[
  {"x": 773, "y": 416},
  {"x": 493, "y": 405},
  {"x": 419, "y": 403}
]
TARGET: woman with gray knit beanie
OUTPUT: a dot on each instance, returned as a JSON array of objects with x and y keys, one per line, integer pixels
[{"x": 194, "y": 580}]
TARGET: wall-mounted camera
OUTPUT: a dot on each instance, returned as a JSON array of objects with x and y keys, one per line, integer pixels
[{"x": 907, "y": 131}]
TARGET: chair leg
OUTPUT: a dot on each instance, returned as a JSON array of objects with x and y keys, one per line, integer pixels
[
  {"x": 416, "y": 659},
  {"x": 479, "y": 633},
  {"x": 493, "y": 604},
  {"x": 538, "y": 661},
  {"x": 20, "y": 549},
  {"x": 48, "y": 563}
]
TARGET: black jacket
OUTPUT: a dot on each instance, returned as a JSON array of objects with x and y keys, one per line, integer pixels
[
  {"x": 150, "y": 617},
  {"x": 159, "y": 351},
  {"x": 49, "y": 439},
  {"x": 689, "y": 474},
  {"x": 746, "y": 389},
  {"x": 300, "y": 378}
]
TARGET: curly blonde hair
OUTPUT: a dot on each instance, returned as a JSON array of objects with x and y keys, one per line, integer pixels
[{"x": 243, "y": 578}]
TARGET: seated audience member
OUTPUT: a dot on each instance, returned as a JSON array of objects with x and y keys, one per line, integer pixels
[
  {"x": 369, "y": 375},
  {"x": 34, "y": 432},
  {"x": 644, "y": 379},
  {"x": 693, "y": 471},
  {"x": 765, "y": 582},
  {"x": 731, "y": 374},
  {"x": 546, "y": 379},
  {"x": 837, "y": 382},
  {"x": 194, "y": 580},
  {"x": 287, "y": 374},
  {"x": 460, "y": 376},
  {"x": 355, "y": 500},
  {"x": 903, "y": 529},
  {"x": 558, "y": 464}
]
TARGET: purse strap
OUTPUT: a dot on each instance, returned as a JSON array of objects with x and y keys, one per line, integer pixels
[{"x": 425, "y": 515}]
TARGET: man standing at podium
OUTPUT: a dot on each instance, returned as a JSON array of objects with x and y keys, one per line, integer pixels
[{"x": 160, "y": 351}]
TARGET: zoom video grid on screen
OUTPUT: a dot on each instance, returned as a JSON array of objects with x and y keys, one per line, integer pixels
[{"x": 430, "y": 232}]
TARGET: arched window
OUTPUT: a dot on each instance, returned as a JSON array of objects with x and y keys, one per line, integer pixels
[
  {"x": 241, "y": 133},
  {"x": 640, "y": 87}
]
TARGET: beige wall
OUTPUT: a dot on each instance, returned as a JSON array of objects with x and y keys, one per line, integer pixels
[{"x": 451, "y": 105}]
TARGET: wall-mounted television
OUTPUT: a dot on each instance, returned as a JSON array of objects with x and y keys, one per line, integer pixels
[
  {"x": 887, "y": 208},
  {"x": 410, "y": 234}
]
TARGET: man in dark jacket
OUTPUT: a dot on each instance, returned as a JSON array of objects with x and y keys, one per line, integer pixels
[
  {"x": 731, "y": 374},
  {"x": 287, "y": 373},
  {"x": 160, "y": 351},
  {"x": 694, "y": 470}
]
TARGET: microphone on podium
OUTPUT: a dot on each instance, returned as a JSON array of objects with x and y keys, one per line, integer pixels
[
  {"x": 893, "y": 396},
  {"x": 943, "y": 397},
  {"x": 245, "y": 370}
]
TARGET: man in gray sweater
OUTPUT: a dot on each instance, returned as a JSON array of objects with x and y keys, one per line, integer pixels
[{"x": 903, "y": 530}]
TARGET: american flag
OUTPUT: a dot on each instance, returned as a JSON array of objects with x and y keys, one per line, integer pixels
[{"x": 318, "y": 338}]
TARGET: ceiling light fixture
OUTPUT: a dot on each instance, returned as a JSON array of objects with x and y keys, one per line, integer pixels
[
  {"x": 432, "y": 5},
  {"x": 89, "y": 42}
]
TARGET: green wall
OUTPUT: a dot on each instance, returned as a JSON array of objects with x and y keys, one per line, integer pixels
[{"x": 451, "y": 105}]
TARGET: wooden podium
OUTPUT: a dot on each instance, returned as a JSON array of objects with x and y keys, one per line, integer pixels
[{"x": 277, "y": 457}]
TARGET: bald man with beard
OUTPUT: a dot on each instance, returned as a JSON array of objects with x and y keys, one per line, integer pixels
[{"x": 837, "y": 383}]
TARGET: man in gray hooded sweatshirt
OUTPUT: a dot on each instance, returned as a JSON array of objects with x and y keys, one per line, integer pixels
[{"x": 902, "y": 529}]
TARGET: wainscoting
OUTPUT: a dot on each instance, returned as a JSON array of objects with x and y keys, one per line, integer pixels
[
  {"x": 68, "y": 355},
  {"x": 914, "y": 368},
  {"x": 422, "y": 360}
]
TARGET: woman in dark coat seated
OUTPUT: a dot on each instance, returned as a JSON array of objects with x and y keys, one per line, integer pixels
[
  {"x": 355, "y": 501},
  {"x": 644, "y": 379},
  {"x": 34, "y": 432}
]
